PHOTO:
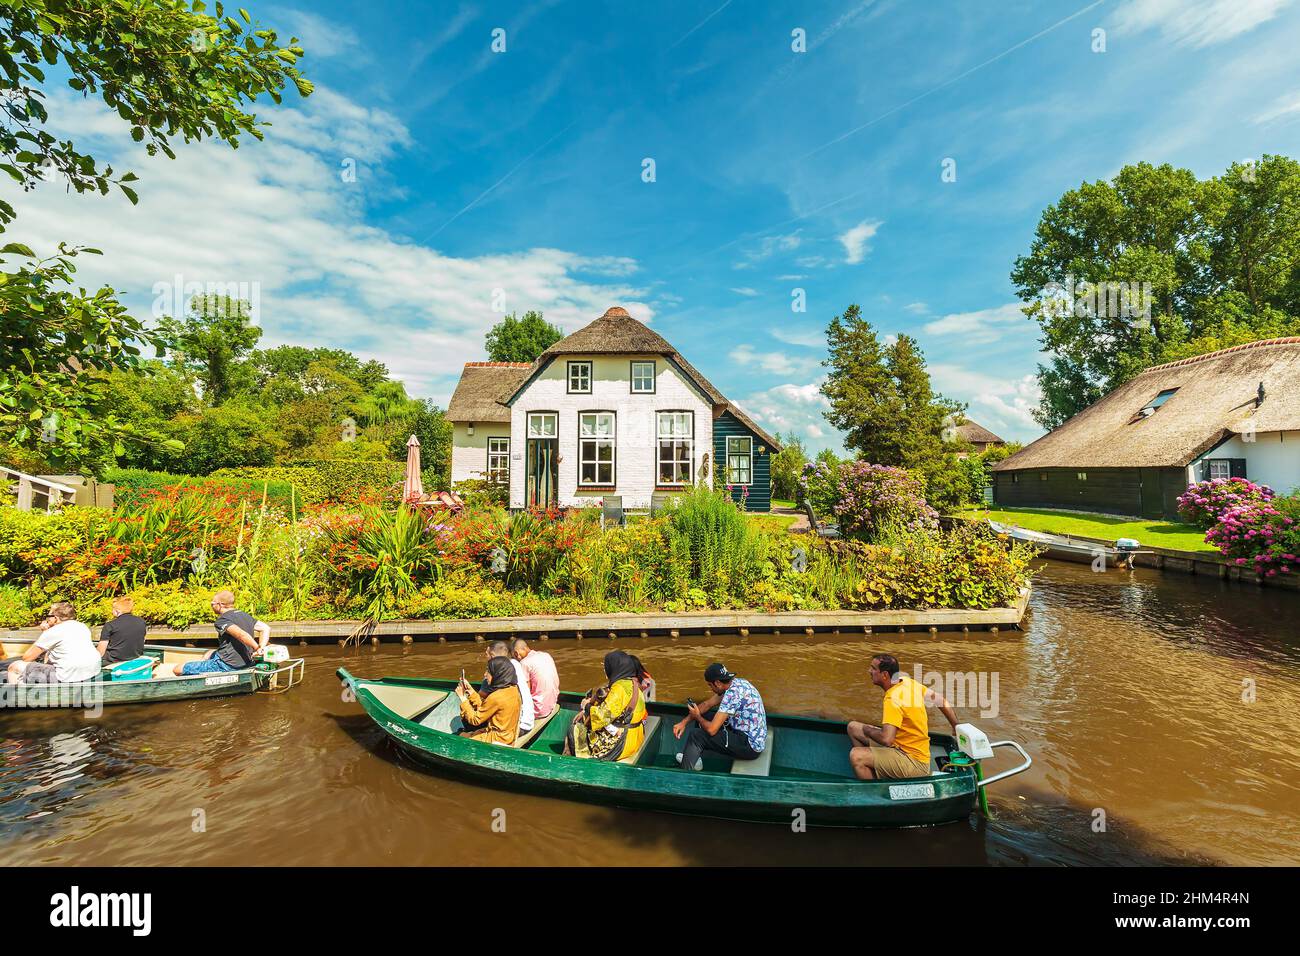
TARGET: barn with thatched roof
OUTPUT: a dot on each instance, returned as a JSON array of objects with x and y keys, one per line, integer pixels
[
  {"x": 611, "y": 410},
  {"x": 1231, "y": 413}
]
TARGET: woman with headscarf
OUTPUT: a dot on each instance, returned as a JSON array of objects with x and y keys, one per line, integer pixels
[
  {"x": 493, "y": 719},
  {"x": 610, "y": 723}
]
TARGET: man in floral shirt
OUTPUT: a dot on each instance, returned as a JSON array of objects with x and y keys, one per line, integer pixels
[{"x": 731, "y": 722}]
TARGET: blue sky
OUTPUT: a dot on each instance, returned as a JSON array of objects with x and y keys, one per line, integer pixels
[{"x": 522, "y": 171}]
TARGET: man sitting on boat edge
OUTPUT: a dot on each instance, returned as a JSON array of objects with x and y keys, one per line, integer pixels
[
  {"x": 70, "y": 655},
  {"x": 732, "y": 721},
  {"x": 900, "y": 747},
  {"x": 236, "y": 645},
  {"x": 543, "y": 678}
]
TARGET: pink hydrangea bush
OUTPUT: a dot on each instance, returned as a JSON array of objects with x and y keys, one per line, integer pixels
[
  {"x": 864, "y": 498},
  {"x": 1205, "y": 503},
  {"x": 1263, "y": 536}
]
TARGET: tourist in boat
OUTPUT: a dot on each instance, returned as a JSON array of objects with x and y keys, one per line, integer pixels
[
  {"x": 610, "y": 723},
  {"x": 69, "y": 651},
  {"x": 122, "y": 638},
  {"x": 900, "y": 747},
  {"x": 527, "y": 716},
  {"x": 543, "y": 678},
  {"x": 731, "y": 722},
  {"x": 236, "y": 644},
  {"x": 492, "y": 717}
]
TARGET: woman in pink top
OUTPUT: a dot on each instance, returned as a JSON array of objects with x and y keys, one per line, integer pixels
[{"x": 543, "y": 679}]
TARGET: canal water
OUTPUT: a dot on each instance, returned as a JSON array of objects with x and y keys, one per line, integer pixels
[{"x": 1160, "y": 711}]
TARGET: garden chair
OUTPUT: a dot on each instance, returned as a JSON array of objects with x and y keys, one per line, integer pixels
[
  {"x": 659, "y": 503},
  {"x": 611, "y": 511},
  {"x": 823, "y": 529}
]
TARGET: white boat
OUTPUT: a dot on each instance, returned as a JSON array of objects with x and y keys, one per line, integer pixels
[{"x": 1068, "y": 548}]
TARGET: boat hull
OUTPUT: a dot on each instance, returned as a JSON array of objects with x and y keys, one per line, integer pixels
[
  {"x": 93, "y": 694},
  {"x": 655, "y": 783}
]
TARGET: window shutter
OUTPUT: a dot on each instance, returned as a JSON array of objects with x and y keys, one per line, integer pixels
[
  {"x": 1238, "y": 466},
  {"x": 1205, "y": 469}
]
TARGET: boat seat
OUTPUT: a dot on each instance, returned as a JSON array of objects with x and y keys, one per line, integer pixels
[
  {"x": 523, "y": 740},
  {"x": 651, "y": 725},
  {"x": 760, "y": 766}
]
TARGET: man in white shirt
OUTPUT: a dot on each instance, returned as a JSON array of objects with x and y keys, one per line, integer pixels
[
  {"x": 70, "y": 653},
  {"x": 526, "y": 713}
]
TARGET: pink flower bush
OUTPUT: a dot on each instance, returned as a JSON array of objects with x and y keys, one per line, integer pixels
[
  {"x": 1204, "y": 504},
  {"x": 1261, "y": 535},
  {"x": 864, "y": 498}
]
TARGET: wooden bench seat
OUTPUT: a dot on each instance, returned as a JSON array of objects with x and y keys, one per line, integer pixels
[{"x": 651, "y": 725}]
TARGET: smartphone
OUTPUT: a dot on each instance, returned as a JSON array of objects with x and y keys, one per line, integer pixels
[
  {"x": 462, "y": 676},
  {"x": 690, "y": 701}
]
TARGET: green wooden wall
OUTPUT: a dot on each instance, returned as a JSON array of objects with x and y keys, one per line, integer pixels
[{"x": 760, "y": 491}]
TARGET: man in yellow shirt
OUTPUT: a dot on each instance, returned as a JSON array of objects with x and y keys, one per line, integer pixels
[{"x": 900, "y": 746}]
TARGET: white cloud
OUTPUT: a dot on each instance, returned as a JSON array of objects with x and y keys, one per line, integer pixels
[
  {"x": 746, "y": 291},
  {"x": 1197, "y": 23},
  {"x": 777, "y": 363},
  {"x": 982, "y": 326},
  {"x": 770, "y": 246},
  {"x": 855, "y": 241},
  {"x": 812, "y": 339},
  {"x": 278, "y": 214},
  {"x": 1283, "y": 106},
  {"x": 916, "y": 308},
  {"x": 795, "y": 408},
  {"x": 321, "y": 37},
  {"x": 1003, "y": 404}
]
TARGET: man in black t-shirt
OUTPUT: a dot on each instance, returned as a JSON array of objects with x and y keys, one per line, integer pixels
[
  {"x": 236, "y": 645},
  {"x": 122, "y": 639}
]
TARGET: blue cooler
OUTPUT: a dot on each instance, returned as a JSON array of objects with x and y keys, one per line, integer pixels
[{"x": 139, "y": 669}]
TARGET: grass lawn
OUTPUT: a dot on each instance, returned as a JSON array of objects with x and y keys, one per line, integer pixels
[
  {"x": 774, "y": 522},
  {"x": 782, "y": 503},
  {"x": 1160, "y": 534}
]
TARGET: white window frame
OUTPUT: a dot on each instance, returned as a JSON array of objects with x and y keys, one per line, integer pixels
[
  {"x": 653, "y": 375},
  {"x": 540, "y": 419},
  {"x": 1223, "y": 463},
  {"x": 581, "y": 368},
  {"x": 678, "y": 440},
  {"x": 747, "y": 455},
  {"x": 503, "y": 468},
  {"x": 591, "y": 439}
]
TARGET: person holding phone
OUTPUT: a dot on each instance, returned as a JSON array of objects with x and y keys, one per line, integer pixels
[
  {"x": 493, "y": 718},
  {"x": 731, "y": 722}
]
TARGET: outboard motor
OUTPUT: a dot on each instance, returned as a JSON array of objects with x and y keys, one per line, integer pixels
[{"x": 1127, "y": 548}]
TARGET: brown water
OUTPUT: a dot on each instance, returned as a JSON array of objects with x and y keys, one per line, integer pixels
[{"x": 1126, "y": 688}]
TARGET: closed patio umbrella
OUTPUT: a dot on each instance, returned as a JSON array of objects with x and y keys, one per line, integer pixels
[{"x": 412, "y": 487}]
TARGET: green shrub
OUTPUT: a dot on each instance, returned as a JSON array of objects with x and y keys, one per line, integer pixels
[
  {"x": 318, "y": 482},
  {"x": 134, "y": 484},
  {"x": 723, "y": 551},
  {"x": 14, "y": 609}
]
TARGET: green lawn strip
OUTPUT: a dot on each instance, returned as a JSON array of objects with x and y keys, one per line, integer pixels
[
  {"x": 782, "y": 503},
  {"x": 1159, "y": 534}
]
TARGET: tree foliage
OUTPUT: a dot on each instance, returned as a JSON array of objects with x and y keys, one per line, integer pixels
[
  {"x": 167, "y": 68},
  {"x": 1204, "y": 264},
  {"x": 521, "y": 340}
]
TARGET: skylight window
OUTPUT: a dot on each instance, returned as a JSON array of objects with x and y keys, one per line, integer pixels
[{"x": 1150, "y": 407}]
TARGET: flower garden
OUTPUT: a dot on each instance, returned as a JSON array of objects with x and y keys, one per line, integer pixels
[
  {"x": 1250, "y": 524},
  {"x": 170, "y": 544}
]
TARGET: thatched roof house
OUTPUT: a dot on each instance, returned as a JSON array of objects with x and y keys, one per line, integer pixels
[
  {"x": 972, "y": 433},
  {"x": 610, "y": 410},
  {"x": 1231, "y": 413}
]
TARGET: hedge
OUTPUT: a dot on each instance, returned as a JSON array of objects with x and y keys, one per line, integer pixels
[
  {"x": 320, "y": 481},
  {"x": 132, "y": 482}
]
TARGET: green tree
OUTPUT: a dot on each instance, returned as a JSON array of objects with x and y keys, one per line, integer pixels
[
  {"x": 1197, "y": 263},
  {"x": 881, "y": 398},
  {"x": 787, "y": 466},
  {"x": 167, "y": 68},
  {"x": 212, "y": 341},
  {"x": 521, "y": 340},
  {"x": 226, "y": 436}
]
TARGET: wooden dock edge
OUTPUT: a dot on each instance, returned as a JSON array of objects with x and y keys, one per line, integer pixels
[{"x": 589, "y": 626}]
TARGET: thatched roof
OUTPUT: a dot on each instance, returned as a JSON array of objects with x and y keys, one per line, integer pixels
[
  {"x": 1216, "y": 395},
  {"x": 976, "y": 433},
  {"x": 482, "y": 390},
  {"x": 614, "y": 333}
]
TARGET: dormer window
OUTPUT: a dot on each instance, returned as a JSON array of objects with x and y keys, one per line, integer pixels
[
  {"x": 1150, "y": 407},
  {"x": 579, "y": 378}
]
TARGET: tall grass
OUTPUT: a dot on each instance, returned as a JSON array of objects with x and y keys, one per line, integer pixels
[{"x": 722, "y": 548}]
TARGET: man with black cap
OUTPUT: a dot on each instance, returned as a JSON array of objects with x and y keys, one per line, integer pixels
[{"x": 731, "y": 722}]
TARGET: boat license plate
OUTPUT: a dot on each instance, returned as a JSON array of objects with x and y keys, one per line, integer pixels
[
  {"x": 911, "y": 791},
  {"x": 222, "y": 679}
]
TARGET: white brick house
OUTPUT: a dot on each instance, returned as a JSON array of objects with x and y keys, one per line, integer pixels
[{"x": 612, "y": 409}]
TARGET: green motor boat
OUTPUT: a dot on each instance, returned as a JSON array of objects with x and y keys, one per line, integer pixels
[{"x": 803, "y": 773}]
